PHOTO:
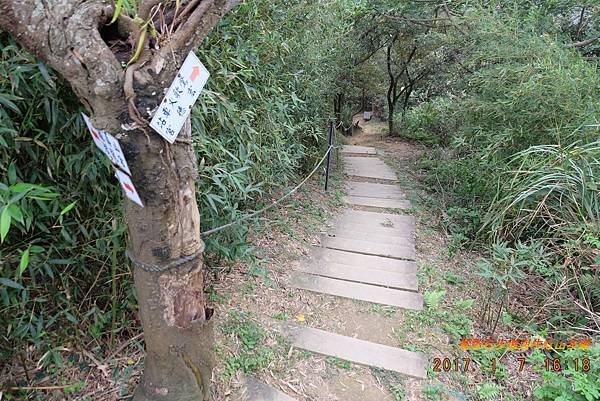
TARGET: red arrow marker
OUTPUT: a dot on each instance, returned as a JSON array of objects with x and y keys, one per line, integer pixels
[
  {"x": 195, "y": 73},
  {"x": 129, "y": 188}
]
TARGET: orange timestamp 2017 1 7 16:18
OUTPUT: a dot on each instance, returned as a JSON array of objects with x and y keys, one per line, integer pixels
[{"x": 466, "y": 364}]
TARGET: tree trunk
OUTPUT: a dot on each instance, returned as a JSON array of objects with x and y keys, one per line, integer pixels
[
  {"x": 391, "y": 100},
  {"x": 393, "y": 95},
  {"x": 176, "y": 322},
  {"x": 164, "y": 235},
  {"x": 391, "y": 118},
  {"x": 392, "y": 87},
  {"x": 407, "y": 93}
]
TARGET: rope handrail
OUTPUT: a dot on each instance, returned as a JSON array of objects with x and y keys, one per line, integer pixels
[
  {"x": 272, "y": 204},
  {"x": 188, "y": 258}
]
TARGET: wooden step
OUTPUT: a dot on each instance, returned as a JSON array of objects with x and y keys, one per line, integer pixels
[
  {"x": 369, "y": 168},
  {"x": 369, "y": 235},
  {"x": 365, "y": 221},
  {"x": 366, "y": 247},
  {"x": 256, "y": 390},
  {"x": 362, "y": 274},
  {"x": 361, "y": 216},
  {"x": 372, "y": 190},
  {"x": 324, "y": 255},
  {"x": 375, "y": 229},
  {"x": 362, "y": 352},
  {"x": 377, "y": 202},
  {"x": 358, "y": 291},
  {"x": 363, "y": 150}
]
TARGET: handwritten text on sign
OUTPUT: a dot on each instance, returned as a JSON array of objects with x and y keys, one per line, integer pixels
[
  {"x": 181, "y": 96},
  {"x": 109, "y": 145}
]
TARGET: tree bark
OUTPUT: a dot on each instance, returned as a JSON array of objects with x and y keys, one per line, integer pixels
[
  {"x": 407, "y": 92},
  {"x": 390, "y": 118},
  {"x": 391, "y": 93},
  {"x": 176, "y": 321},
  {"x": 66, "y": 36}
]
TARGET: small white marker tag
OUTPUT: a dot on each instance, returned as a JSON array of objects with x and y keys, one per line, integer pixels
[
  {"x": 128, "y": 187},
  {"x": 181, "y": 96},
  {"x": 95, "y": 134},
  {"x": 108, "y": 144}
]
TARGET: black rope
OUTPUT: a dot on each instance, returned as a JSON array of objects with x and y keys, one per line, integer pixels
[{"x": 161, "y": 268}]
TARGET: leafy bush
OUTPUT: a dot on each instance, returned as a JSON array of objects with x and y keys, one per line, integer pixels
[
  {"x": 460, "y": 181},
  {"x": 61, "y": 203},
  {"x": 430, "y": 122},
  {"x": 488, "y": 391},
  {"x": 433, "y": 299},
  {"x": 262, "y": 118},
  {"x": 574, "y": 381},
  {"x": 507, "y": 264},
  {"x": 522, "y": 128}
]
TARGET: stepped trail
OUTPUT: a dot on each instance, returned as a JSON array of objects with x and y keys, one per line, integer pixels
[{"x": 367, "y": 255}]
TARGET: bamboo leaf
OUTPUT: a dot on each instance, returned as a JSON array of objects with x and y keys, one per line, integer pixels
[
  {"x": 24, "y": 261},
  {"x": 5, "y": 219},
  {"x": 139, "y": 46},
  {"x": 46, "y": 74},
  {"x": 68, "y": 207},
  {"x": 118, "y": 8},
  {"x": 10, "y": 283},
  {"x": 6, "y": 101},
  {"x": 15, "y": 212}
]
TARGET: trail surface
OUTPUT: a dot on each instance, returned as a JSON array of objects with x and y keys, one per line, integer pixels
[{"x": 366, "y": 255}]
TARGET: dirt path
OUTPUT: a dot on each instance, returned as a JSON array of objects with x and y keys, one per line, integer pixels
[
  {"x": 251, "y": 342},
  {"x": 370, "y": 133}
]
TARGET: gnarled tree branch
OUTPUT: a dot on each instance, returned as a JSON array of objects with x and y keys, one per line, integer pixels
[
  {"x": 67, "y": 38},
  {"x": 584, "y": 43}
]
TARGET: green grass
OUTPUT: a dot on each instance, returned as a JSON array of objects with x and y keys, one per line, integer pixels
[
  {"x": 283, "y": 316},
  {"x": 339, "y": 363},
  {"x": 387, "y": 311},
  {"x": 251, "y": 352}
]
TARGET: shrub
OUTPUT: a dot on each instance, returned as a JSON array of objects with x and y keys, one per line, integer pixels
[
  {"x": 520, "y": 164},
  {"x": 523, "y": 131},
  {"x": 431, "y": 122},
  {"x": 578, "y": 378}
]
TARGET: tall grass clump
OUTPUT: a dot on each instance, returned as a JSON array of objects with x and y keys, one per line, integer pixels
[{"x": 553, "y": 189}]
